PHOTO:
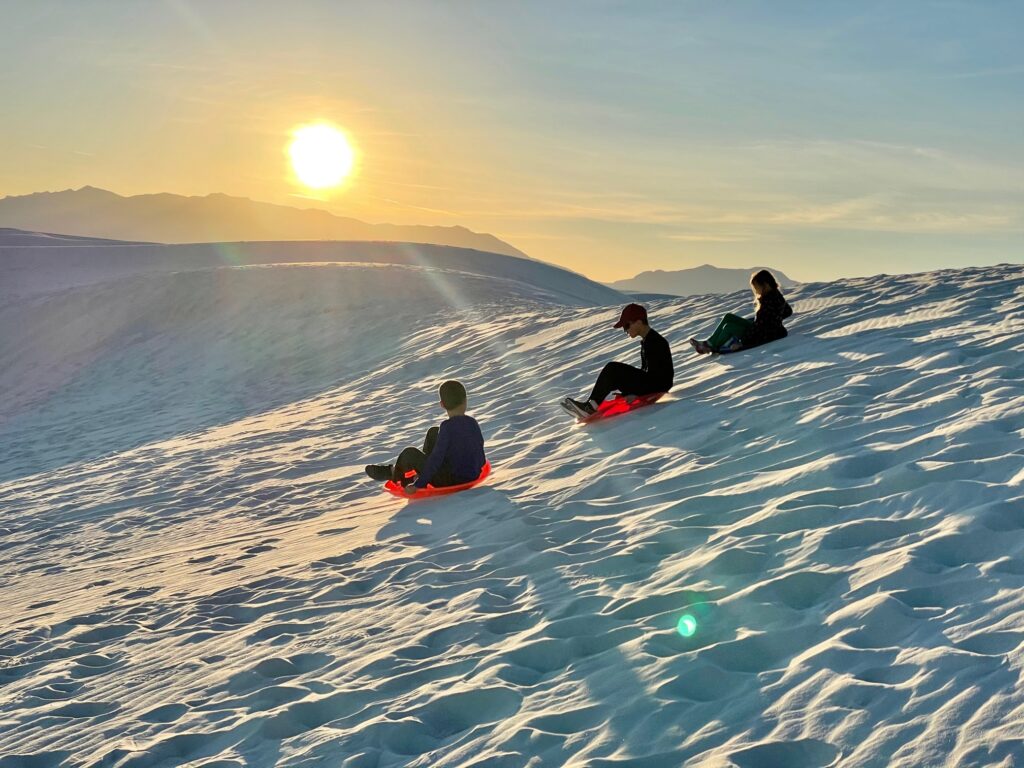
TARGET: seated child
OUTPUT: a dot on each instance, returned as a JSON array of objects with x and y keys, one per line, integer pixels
[
  {"x": 655, "y": 373},
  {"x": 452, "y": 453},
  {"x": 735, "y": 333}
]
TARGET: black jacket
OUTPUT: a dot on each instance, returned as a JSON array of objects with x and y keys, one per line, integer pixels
[
  {"x": 656, "y": 358},
  {"x": 772, "y": 309}
]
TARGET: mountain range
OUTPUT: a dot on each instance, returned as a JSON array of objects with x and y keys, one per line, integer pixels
[
  {"x": 170, "y": 218},
  {"x": 165, "y": 218},
  {"x": 697, "y": 281}
]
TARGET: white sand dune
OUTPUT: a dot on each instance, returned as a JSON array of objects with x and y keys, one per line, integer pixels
[
  {"x": 196, "y": 571},
  {"x": 33, "y": 263}
]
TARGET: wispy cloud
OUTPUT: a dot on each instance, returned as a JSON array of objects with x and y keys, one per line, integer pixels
[
  {"x": 399, "y": 204},
  {"x": 707, "y": 237},
  {"x": 756, "y": 218},
  {"x": 543, "y": 236}
]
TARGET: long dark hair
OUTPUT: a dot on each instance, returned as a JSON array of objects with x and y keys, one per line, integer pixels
[{"x": 765, "y": 278}]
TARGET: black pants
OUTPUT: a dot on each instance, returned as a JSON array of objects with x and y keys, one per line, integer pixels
[
  {"x": 627, "y": 380},
  {"x": 413, "y": 459}
]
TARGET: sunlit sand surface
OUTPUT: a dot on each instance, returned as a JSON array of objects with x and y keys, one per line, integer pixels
[{"x": 197, "y": 572}]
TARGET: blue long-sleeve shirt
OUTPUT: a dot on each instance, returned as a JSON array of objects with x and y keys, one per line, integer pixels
[{"x": 459, "y": 450}]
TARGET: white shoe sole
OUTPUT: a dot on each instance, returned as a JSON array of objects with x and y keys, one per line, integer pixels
[{"x": 579, "y": 413}]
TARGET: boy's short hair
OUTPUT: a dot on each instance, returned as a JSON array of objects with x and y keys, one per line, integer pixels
[{"x": 453, "y": 394}]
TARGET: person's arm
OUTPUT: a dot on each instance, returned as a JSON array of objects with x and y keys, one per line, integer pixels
[
  {"x": 660, "y": 358},
  {"x": 763, "y": 314},
  {"x": 767, "y": 318},
  {"x": 436, "y": 457}
]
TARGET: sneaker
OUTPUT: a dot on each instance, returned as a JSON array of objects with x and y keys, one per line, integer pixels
[
  {"x": 380, "y": 472},
  {"x": 700, "y": 347},
  {"x": 580, "y": 409}
]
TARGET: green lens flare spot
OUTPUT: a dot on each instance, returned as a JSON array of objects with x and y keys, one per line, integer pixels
[{"x": 687, "y": 625}]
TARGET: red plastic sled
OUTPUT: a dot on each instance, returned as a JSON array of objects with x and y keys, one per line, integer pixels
[
  {"x": 396, "y": 490},
  {"x": 619, "y": 405}
]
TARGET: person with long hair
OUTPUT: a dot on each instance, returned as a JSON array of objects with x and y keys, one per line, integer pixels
[{"x": 735, "y": 333}]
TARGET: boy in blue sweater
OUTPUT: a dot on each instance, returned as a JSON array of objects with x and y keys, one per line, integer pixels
[{"x": 452, "y": 453}]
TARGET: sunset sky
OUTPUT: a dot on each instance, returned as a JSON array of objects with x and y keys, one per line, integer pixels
[{"x": 826, "y": 139}]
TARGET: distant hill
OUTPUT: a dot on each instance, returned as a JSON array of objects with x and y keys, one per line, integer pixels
[
  {"x": 10, "y": 238},
  {"x": 693, "y": 282},
  {"x": 167, "y": 218}
]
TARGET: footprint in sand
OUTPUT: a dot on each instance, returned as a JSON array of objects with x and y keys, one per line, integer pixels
[
  {"x": 167, "y": 713},
  {"x": 512, "y": 622},
  {"x": 84, "y": 709},
  {"x": 866, "y": 533},
  {"x": 452, "y": 713},
  {"x": 704, "y": 682},
  {"x": 992, "y": 643},
  {"x": 1004, "y": 516},
  {"x": 50, "y": 759},
  {"x": 104, "y": 633},
  {"x": 314, "y": 712},
  {"x": 891, "y": 675},
  {"x": 759, "y": 653},
  {"x": 961, "y": 548},
  {"x": 806, "y": 753},
  {"x": 542, "y": 656},
  {"x": 275, "y": 669},
  {"x": 93, "y": 664},
  {"x": 284, "y": 631},
  {"x": 800, "y": 590},
  {"x": 571, "y": 722}
]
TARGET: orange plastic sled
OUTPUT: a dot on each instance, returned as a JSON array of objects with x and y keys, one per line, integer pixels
[
  {"x": 619, "y": 405},
  {"x": 396, "y": 490}
]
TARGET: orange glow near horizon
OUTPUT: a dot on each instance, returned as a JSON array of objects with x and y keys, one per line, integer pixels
[{"x": 321, "y": 156}]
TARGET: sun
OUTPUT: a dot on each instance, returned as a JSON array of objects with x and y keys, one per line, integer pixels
[{"x": 321, "y": 155}]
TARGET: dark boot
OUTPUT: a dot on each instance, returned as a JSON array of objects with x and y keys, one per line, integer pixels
[{"x": 380, "y": 472}]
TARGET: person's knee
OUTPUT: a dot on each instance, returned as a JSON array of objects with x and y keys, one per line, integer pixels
[
  {"x": 408, "y": 455},
  {"x": 430, "y": 440}
]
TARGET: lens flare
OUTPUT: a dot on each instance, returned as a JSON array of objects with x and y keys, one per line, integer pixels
[{"x": 687, "y": 625}]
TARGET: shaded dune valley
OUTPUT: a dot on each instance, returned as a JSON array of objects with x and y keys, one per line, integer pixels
[{"x": 196, "y": 570}]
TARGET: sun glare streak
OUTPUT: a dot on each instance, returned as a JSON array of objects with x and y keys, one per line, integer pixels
[{"x": 321, "y": 155}]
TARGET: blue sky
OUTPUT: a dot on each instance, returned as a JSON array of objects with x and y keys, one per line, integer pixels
[{"x": 826, "y": 139}]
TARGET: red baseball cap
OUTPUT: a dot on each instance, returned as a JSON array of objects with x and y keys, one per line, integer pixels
[{"x": 629, "y": 314}]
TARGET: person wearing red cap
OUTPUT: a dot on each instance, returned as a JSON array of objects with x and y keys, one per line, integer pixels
[{"x": 655, "y": 373}]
